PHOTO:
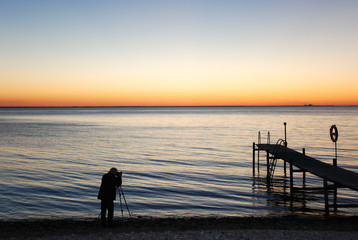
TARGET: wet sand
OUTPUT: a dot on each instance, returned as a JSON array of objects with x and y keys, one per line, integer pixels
[{"x": 288, "y": 227}]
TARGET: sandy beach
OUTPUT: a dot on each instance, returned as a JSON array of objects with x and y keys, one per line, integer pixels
[{"x": 288, "y": 227}]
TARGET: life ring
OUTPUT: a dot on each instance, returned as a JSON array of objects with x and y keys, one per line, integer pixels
[{"x": 333, "y": 132}]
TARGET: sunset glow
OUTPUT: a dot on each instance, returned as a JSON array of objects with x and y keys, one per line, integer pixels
[{"x": 178, "y": 53}]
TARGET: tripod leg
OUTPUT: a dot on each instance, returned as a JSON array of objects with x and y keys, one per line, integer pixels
[
  {"x": 120, "y": 202},
  {"x": 125, "y": 201}
]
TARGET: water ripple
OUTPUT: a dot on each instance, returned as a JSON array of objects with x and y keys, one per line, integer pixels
[{"x": 175, "y": 161}]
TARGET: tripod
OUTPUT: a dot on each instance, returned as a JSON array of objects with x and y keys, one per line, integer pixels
[{"x": 121, "y": 194}]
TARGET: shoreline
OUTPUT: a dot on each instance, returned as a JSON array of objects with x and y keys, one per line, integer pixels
[{"x": 182, "y": 227}]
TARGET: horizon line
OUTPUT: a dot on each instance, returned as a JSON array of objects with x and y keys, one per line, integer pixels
[{"x": 128, "y": 106}]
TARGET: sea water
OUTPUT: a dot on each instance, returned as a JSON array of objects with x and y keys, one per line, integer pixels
[{"x": 176, "y": 161}]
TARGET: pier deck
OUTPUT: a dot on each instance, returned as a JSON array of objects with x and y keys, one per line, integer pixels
[{"x": 337, "y": 175}]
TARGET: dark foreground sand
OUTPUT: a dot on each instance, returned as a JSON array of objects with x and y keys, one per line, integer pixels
[{"x": 186, "y": 228}]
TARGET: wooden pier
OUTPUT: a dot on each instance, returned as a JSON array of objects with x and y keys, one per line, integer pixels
[{"x": 333, "y": 176}]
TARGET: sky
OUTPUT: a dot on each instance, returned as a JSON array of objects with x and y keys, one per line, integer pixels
[{"x": 178, "y": 53}]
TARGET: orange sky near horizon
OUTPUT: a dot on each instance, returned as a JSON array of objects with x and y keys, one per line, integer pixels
[
  {"x": 147, "y": 54},
  {"x": 243, "y": 97}
]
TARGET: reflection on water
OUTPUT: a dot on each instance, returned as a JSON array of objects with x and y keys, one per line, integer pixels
[
  {"x": 175, "y": 161},
  {"x": 279, "y": 198},
  {"x": 308, "y": 196}
]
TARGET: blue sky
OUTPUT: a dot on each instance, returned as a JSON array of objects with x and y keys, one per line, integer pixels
[{"x": 177, "y": 47}]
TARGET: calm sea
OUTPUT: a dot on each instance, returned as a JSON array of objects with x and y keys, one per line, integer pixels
[{"x": 176, "y": 161}]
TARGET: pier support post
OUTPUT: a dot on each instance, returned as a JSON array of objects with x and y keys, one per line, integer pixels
[
  {"x": 291, "y": 180},
  {"x": 304, "y": 172},
  {"x": 258, "y": 161},
  {"x": 253, "y": 158},
  {"x": 335, "y": 197},
  {"x": 268, "y": 168},
  {"x": 326, "y": 203}
]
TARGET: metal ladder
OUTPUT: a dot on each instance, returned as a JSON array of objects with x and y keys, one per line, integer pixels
[{"x": 279, "y": 148}]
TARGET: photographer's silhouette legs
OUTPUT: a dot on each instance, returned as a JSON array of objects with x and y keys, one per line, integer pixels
[{"x": 107, "y": 205}]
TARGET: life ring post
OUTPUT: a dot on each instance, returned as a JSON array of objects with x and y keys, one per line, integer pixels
[{"x": 333, "y": 132}]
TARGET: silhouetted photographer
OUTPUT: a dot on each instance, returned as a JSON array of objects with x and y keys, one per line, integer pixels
[{"x": 107, "y": 194}]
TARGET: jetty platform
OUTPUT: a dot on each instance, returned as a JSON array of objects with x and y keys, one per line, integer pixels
[{"x": 333, "y": 176}]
